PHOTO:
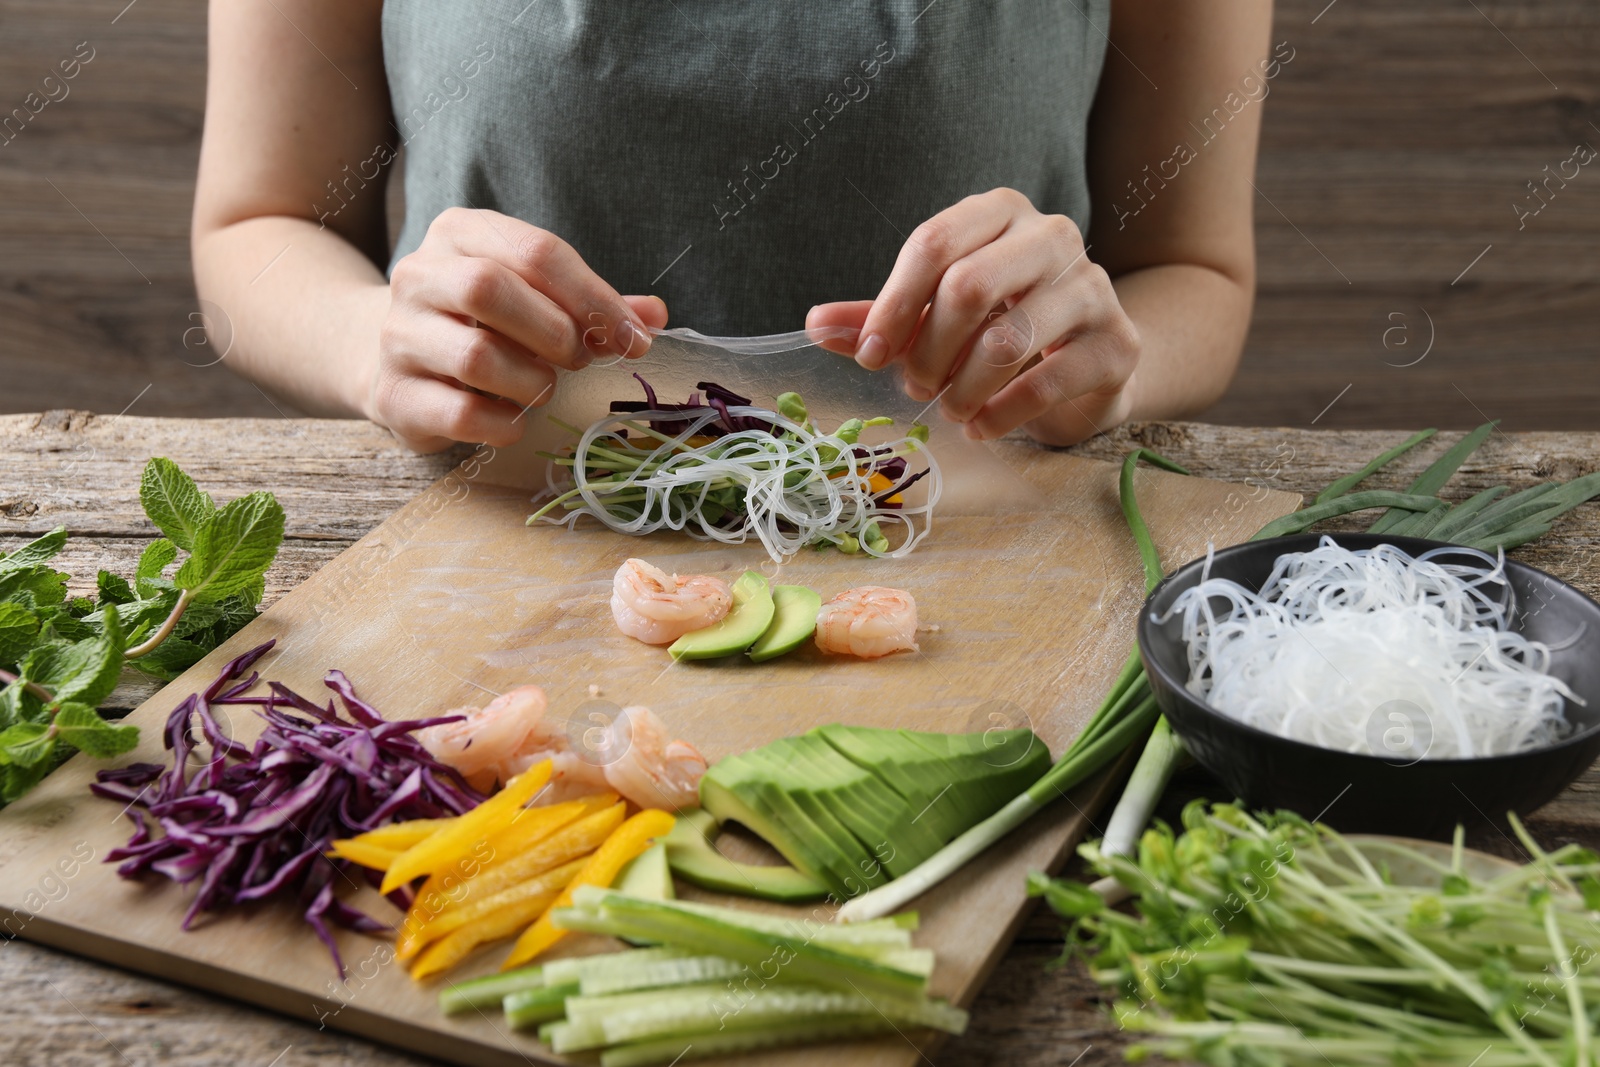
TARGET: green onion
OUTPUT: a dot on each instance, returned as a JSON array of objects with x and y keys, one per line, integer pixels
[
  {"x": 1432, "y": 480},
  {"x": 1350, "y": 481}
]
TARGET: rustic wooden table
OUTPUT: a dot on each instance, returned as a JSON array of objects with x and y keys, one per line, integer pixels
[{"x": 337, "y": 480}]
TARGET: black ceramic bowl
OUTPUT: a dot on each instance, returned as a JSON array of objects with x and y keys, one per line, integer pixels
[{"x": 1399, "y": 795}]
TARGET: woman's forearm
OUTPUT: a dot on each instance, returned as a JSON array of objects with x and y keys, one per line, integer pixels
[
  {"x": 1192, "y": 322},
  {"x": 301, "y": 310}
]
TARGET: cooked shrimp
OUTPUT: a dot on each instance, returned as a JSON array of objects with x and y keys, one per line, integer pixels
[
  {"x": 648, "y": 769},
  {"x": 658, "y": 608},
  {"x": 868, "y": 621},
  {"x": 632, "y": 755},
  {"x": 483, "y": 745}
]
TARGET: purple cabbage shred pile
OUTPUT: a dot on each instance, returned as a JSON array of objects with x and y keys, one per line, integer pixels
[{"x": 253, "y": 822}]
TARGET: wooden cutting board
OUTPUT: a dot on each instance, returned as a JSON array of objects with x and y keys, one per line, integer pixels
[{"x": 1029, "y": 614}]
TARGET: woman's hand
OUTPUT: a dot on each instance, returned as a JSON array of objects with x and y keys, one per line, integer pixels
[
  {"x": 480, "y": 316},
  {"x": 997, "y": 310}
]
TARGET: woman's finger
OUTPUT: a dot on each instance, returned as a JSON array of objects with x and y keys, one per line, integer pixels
[
  {"x": 1045, "y": 315},
  {"x": 427, "y": 414},
  {"x": 603, "y": 319},
  {"x": 840, "y": 315},
  {"x": 1096, "y": 363},
  {"x": 970, "y": 291},
  {"x": 488, "y": 292},
  {"x": 953, "y": 234},
  {"x": 483, "y": 360}
]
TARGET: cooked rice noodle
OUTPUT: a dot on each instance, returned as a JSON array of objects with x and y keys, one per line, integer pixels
[
  {"x": 797, "y": 491},
  {"x": 1375, "y": 652}
]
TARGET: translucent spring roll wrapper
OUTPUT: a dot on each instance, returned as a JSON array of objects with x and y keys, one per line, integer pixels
[{"x": 976, "y": 480}]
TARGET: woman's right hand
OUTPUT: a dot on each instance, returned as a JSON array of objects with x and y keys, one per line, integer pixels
[{"x": 480, "y": 315}]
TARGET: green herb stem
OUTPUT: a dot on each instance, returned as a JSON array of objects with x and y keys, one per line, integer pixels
[
  {"x": 33, "y": 687},
  {"x": 151, "y": 643}
]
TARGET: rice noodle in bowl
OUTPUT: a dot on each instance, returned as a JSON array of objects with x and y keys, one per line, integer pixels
[{"x": 1337, "y": 639}]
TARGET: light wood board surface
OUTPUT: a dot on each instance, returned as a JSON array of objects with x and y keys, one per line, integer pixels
[{"x": 452, "y": 598}]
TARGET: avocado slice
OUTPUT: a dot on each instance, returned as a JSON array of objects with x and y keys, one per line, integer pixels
[
  {"x": 875, "y": 814},
  {"x": 694, "y": 858},
  {"x": 856, "y": 869},
  {"x": 996, "y": 766},
  {"x": 830, "y": 800},
  {"x": 745, "y": 622},
  {"x": 794, "y": 620},
  {"x": 732, "y": 790},
  {"x": 647, "y": 875},
  {"x": 951, "y": 781}
]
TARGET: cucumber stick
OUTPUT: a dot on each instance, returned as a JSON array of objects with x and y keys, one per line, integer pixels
[
  {"x": 486, "y": 994},
  {"x": 871, "y": 938},
  {"x": 689, "y": 970},
  {"x": 800, "y": 960},
  {"x": 718, "y": 981},
  {"x": 669, "y": 1050},
  {"x": 597, "y": 1022},
  {"x": 534, "y": 1006},
  {"x": 582, "y": 968}
]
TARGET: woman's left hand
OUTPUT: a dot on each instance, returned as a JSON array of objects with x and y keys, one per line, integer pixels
[{"x": 998, "y": 311}]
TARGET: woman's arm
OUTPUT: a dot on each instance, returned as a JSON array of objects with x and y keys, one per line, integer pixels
[
  {"x": 289, "y": 230},
  {"x": 295, "y": 93},
  {"x": 1171, "y": 168}
]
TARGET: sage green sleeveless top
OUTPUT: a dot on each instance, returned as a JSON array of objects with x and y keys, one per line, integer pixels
[{"x": 741, "y": 160}]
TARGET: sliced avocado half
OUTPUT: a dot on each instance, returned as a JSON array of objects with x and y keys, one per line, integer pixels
[
  {"x": 794, "y": 620},
  {"x": 694, "y": 858},
  {"x": 745, "y": 622}
]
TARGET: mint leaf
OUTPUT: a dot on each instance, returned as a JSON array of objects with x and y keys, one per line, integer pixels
[
  {"x": 19, "y": 629},
  {"x": 84, "y": 671},
  {"x": 40, "y": 550},
  {"x": 81, "y": 726},
  {"x": 238, "y": 611},
  {"x": 113, "y": 589},
  {"x": 197, "y": 618},
  {"x": 26, "y": 744},
  {"x": 16, "y": 781},
  {"x": 19, "y": 705},
  {"x": 232, "y": 551},
  {"x": 37, "y": 585},
  {"x": 172, "y": 657},
  {"x": 152, "y": 562},
  {"x": 174, "y": 503},
  {"x": 56, "y": 623},
  {"x": 143, "y": 616}
]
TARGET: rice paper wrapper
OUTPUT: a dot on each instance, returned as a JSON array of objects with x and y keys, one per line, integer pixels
[{"x": 976, "y": 479}]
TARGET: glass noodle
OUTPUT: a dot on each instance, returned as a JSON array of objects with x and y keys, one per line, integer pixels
[{"x": 1336, "y": 637}]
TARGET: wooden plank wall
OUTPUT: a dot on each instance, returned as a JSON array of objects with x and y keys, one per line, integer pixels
[{"x": 1397, "y": 143}]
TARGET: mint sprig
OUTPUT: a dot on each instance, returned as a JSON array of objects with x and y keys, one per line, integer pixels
[{"x": 60, "y": 658}]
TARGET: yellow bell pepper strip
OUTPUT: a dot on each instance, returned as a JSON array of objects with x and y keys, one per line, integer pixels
[
  {"x": 399, "y": 836},
  {"x": 457, "y": 945},
  {"x": 467, "y": 832},
  {"x": 535, "y": 824},
  {"x": 576, "y": 839},
  {"x": 363, "y": 854},
  {"x": 545, "y": 886},
  {"x": 530, "y": 827},
  {"x": 629, "y": 840}
]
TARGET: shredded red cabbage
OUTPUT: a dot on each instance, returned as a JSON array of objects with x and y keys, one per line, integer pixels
[
  {"x": 717, "y": 397},
  {"x": 258, "y": 826}
]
